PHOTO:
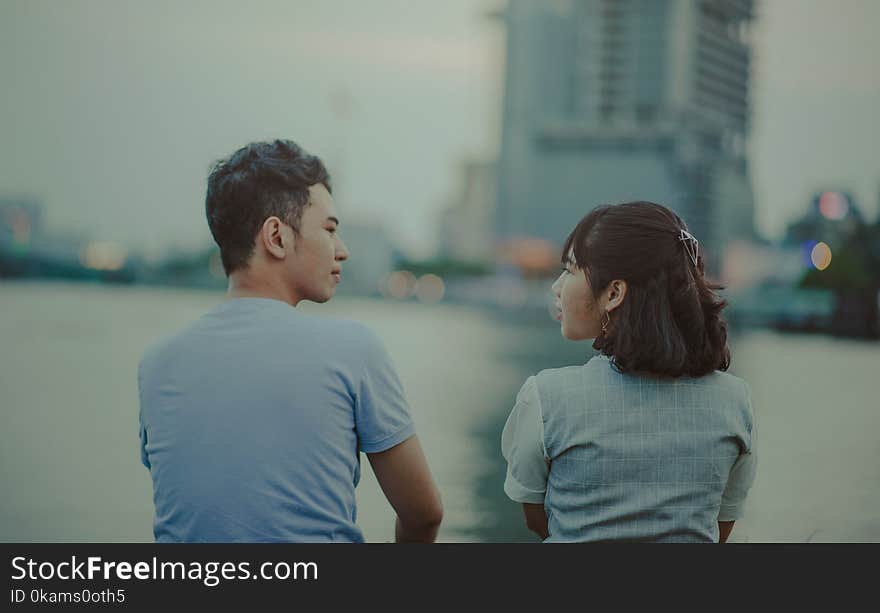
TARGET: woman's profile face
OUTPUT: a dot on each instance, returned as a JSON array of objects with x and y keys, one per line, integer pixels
[{"x": 577, "y": 309}]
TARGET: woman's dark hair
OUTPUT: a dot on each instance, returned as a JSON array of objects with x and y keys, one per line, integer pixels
[
  {"x": 670, "y": 320},
  {"x": 256, "y": 182}
]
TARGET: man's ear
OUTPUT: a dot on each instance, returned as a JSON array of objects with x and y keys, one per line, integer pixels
[
  {"x": 274, "y": 238},
  {"x": 616, "y": 294}
]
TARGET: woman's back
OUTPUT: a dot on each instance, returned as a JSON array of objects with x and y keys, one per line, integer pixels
[
  {"x": 640, "y": 457},
  {"x": 650, "y": 440}
]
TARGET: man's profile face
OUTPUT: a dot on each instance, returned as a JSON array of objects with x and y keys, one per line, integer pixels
[{"x": 316, "y": 266}]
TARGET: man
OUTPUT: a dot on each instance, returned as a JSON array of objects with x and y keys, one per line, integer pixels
[{"x": 253, "y": 417}]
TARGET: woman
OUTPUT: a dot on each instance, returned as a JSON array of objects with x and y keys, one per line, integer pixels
[{"x": 648, "y": 440}]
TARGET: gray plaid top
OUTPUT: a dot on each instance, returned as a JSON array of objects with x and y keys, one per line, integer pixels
[{"x": 617, "y": 456}]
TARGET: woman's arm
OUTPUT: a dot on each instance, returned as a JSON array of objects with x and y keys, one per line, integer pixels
[{"x": 528, "y": 468}]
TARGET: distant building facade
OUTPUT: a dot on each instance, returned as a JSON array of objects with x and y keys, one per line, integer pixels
[
  {"x": 373, "y": 257},
  {"x": 616, "y": 100},
  {"x": 466, "y": 225},
  {"x": 20, "y": 220}
]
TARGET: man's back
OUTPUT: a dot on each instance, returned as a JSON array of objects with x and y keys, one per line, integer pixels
[{"x": 252, "y": 419}]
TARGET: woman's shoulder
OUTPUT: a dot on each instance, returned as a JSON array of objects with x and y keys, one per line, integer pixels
[
  {"x": 597, "y": 365},
  {"x": 555, "y": 375},
  {"x": 726, "y": 381},
  {"x": 725, "y": 390},
  {"x": 557, "y": 384}
]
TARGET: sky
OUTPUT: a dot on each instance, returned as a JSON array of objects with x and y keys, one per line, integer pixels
[{"x": 113, "y": 110}]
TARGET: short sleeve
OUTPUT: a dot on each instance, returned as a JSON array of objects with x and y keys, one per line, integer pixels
[
  {"x": 382, "y": 416},
  {"x": 142, "y": 430},
  {"x": 741, "y": 478},
  {"x": 145, "y": 460},
  {"x": 522, "y": 444}
]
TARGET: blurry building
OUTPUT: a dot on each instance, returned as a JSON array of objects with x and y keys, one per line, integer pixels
[
  {"x": 20, "y": 221},
  {"x": 372, "y": 258},
  {"x": 466, "y": 226},
  {"x": 27, "y": 249},
  {"x": 616, "y": 100}
]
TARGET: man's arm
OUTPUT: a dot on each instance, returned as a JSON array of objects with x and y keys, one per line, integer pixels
[
  {"x": 405, "y": 478},
  {"x": 724, "y": 528},
  {"x": 536, "y": 519}
]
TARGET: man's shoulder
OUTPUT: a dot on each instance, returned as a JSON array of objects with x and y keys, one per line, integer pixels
[
  {"x": 327, "y": 336},
  {"x": 169, "y": 344},
  {"x": 345, "y": 333},
  {"x": 157, "y": 351},
  {"x": 362, "y": 340}
]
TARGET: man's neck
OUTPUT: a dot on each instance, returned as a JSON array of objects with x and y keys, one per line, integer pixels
[{"x": 245, "y": 285}]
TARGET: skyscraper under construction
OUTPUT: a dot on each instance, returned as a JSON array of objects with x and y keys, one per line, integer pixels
[{"x": 615, "y": 100}]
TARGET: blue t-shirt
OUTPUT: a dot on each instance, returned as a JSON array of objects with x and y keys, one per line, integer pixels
[{"x": 252, "y": 419}]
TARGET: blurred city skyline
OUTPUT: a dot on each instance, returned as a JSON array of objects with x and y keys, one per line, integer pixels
[{"x": 116, "y": 109}]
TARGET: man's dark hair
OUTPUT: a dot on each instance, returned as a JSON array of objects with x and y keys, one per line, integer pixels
[
  {"x": 256, "y": 182},
  {"x": 670, "y": 320}
]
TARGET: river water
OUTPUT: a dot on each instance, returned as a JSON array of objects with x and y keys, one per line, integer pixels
[{"x": 70, "y": 468}]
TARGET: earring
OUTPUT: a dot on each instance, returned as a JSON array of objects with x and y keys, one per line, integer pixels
[{"x": 606, "y": 319}]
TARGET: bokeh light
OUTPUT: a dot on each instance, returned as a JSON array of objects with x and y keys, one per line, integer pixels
[
  {"x": 430, "y": 289},
  {"x": 21, "y": 228},
  {"x": 103, "y": 256},
  {"x": 401, "y": 284},
  {"x": 821, "y": 256},
  {"x": 833, "y": 205}
]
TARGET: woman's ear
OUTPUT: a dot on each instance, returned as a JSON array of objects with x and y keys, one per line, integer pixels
[{"x": 615, "y": 294}]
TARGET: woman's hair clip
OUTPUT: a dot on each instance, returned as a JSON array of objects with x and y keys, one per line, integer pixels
[{"x": 691, "y": 244}]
